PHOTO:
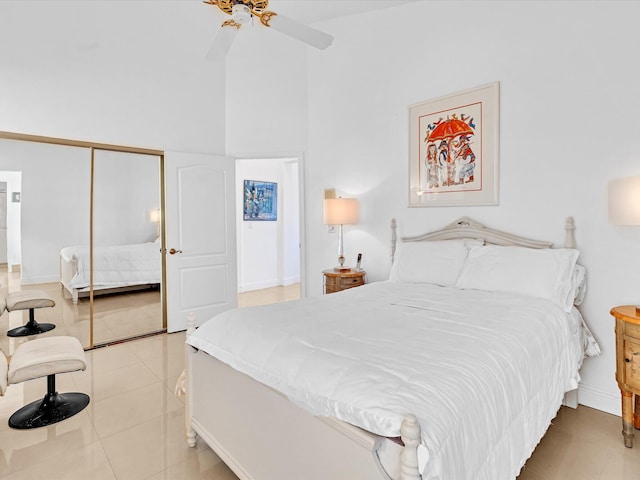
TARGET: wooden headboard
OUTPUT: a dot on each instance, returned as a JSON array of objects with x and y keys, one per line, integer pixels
[{"x": 466, "y": 227}]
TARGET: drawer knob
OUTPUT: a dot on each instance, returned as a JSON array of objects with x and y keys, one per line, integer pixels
[{"x": 627, "y": 360}]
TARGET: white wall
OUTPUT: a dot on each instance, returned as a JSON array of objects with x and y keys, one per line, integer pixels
[
  {"x": 266, "y": 101},
  {"x": 128, "y": 73},
  {"x": 568, "y": 84}
]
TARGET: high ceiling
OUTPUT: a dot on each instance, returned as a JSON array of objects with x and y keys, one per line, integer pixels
[
  {"x": 310, "y": 11},
  {"x": 61, "y": 33}
]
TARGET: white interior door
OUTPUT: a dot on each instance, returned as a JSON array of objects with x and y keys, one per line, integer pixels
[{"x": 200, "y": 237}]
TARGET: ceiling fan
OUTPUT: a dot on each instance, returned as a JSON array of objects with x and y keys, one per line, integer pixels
[{"x": 243, "y": 11}]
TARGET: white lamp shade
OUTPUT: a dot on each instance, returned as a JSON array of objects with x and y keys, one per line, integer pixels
[
  {"x": 154, "y": 215},
  {"x": 624, "y": 201},
  {"x": 340, "y": 211}
]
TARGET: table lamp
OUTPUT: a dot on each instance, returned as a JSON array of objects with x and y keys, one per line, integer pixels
[
  {"x": 155, "y": 217},
  {"x": 340, "y": 211},
  {"x": 624, "y": 203}
]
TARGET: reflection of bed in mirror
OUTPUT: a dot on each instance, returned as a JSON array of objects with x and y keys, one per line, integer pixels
[{"x": 116, "y": 268}]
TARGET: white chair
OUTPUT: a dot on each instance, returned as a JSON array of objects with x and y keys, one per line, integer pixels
[
  {"x": 29, "y": 300},
  {"x": 42, "y": 357}
]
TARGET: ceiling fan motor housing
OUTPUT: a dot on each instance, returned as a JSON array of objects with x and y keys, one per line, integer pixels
[{"x": 241, "y": 13}]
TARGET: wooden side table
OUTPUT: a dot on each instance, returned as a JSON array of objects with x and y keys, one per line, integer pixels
[
  {"x": 628, "y": 367},
  {"x": 338, "y": 281}
]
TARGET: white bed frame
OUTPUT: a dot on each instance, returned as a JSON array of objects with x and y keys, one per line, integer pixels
[
  {"x": 68, "y": 270},
  {"x": 261, "y": 435}
]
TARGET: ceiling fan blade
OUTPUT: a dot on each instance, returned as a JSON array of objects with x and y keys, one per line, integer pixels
[
  {"x": 222, "y": 41},
  {"x": 299, "y": 31}
]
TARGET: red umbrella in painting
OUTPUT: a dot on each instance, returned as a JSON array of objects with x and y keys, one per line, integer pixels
[
  {"x": 450, "y": 128},
  {"x": 446, "y": 131}
]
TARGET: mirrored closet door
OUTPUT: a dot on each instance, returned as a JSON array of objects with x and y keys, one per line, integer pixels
[
  {"x": 83, "y": 226},
  {"x": 127, "y": 258}
]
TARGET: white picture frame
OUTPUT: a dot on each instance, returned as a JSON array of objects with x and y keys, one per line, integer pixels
[{"x": 454, "y": 149}]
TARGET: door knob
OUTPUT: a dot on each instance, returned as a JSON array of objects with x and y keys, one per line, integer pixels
[{"x": 173, "y": 251}]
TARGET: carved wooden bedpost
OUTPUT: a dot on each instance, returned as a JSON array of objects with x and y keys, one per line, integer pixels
[
  {"x": 410, "y": 434},
  {"x": 191, "y": 434}
]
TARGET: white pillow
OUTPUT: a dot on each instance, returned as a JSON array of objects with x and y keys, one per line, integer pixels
[
  {"x": 437, "y": 262},
  {"x": 542, "y": 273}
]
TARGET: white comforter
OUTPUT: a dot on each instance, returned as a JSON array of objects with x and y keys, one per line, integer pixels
[
  {"x": 483, "y": 372},
  {"x": 116, "y": 265}
]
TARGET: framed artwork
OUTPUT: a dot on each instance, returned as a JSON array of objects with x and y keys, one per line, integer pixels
[
  {"x": 260, "y": 201},
  {"x": 453, "y": 150}
]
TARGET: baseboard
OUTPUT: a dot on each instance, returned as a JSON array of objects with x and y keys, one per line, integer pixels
[
  {"x": 291, "y": 280},
  {"x": 248, "y": 287},
  {"x": 600, "y": 400},
  {"x": 40, "y": 279}
]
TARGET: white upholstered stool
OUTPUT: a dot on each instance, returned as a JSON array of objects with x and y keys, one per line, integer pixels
[
  {"x": 29, "y": 300},
  {"x": 39, "y": 358}
]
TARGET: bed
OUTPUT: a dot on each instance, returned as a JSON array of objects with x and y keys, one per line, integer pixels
[
  {"x": 116, "y": 268},
  {"x": 451, "y": 370}
]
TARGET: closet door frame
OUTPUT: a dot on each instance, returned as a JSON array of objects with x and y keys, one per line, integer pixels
[{"x": 93, "y": 147}]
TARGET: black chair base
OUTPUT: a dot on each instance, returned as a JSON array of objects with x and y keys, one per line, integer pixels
[
  {"x": 31, "y": 327},
  {"x": 28, "y": 329},
  {"x": 51, "y": 409}
]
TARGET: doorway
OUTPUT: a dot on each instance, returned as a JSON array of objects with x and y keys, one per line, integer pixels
[{"x": 270, "y": 247}]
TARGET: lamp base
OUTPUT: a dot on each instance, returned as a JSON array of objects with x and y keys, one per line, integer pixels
[{"x": 342, "y": 269}]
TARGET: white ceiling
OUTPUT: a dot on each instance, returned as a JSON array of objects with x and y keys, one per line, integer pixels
[
  {"x": 58, "y": 33},
  {"x": 311, "y": 11}
]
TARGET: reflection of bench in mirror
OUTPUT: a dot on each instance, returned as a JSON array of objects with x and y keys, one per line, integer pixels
[{"x": 29, "y": 300}]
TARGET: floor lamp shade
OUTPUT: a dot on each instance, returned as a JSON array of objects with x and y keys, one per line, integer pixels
[{"x": 624, "y": 201}]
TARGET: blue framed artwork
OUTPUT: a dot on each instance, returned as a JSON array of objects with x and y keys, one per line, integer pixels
[{"x": 260, "y": 201}]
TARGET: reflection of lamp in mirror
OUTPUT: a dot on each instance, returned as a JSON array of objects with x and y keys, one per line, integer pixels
[
  {"x": 155, "y": 217},
  {"x": 624, "y": 203},
  {"x": 340, "y": 211}
]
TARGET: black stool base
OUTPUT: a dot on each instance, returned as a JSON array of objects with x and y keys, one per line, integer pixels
[
  {"x": 30, "y": 329},
  {"x": 53, "y": 408}
]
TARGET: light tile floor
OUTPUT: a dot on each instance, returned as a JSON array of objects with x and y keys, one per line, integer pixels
[{"x": 134, "y": 428}]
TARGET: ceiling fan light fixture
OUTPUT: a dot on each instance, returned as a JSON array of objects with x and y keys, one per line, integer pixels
[{"x": 241, "y": 13}]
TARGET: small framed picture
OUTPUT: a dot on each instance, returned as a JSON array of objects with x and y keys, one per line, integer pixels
[{"x": 260, "y": 201}]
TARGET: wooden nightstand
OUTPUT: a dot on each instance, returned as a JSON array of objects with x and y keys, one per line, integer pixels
[
  {"x": 628, "y": 367},
  {"x": 338, "y": 281}
]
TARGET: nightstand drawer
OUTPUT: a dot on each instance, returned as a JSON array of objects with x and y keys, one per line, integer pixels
[
  {"x": 337, "y": 281},
  {"x": 632, "y": 364},
  {"x": 351, "y": 282},
  {"x": 631, "y": 330}
]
